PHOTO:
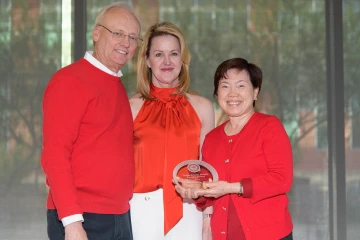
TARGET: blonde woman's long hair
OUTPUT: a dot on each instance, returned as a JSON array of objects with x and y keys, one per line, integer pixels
[{"x": 144, "y": 72}]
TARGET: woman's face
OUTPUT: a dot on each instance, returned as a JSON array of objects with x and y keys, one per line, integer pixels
[
  {"x": 236, "y": 93},
  {"x": 165, "y": 61}
]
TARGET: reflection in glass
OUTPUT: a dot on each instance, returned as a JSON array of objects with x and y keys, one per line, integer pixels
[
  {"x": 351, "y": 23},
  {"x": 30, "y": 52},
  {"x": 285, "y": 38}
]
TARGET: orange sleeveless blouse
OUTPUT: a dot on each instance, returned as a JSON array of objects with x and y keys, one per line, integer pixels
[{"x": 166, "y": 132}]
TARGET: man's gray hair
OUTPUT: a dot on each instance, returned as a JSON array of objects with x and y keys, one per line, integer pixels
[{"x": 121, "y": 5}]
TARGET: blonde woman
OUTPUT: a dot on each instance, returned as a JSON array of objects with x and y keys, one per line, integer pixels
[{"x": 170, "y": 124}]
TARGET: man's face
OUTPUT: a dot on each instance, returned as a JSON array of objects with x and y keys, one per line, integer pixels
[{"x": 115, "y": 53}]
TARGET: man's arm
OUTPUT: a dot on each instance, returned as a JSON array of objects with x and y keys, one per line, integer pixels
[
  {"x": 64, "y": 106},
  {"x": 71, "y": 219}
]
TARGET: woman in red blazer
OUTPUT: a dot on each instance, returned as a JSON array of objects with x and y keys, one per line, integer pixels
[{"x": 252, "y": 155}]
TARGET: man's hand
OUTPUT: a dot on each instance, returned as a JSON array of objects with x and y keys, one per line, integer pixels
[{"x": 75, "y": 231}]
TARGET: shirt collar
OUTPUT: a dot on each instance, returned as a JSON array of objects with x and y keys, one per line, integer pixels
[{"x": 90, "y": 58}]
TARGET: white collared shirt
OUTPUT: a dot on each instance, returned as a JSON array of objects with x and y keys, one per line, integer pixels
[{"x": 90, "y": 58}]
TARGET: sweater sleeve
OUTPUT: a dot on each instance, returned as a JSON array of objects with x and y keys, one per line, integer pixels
[
  {"x": 278, "y": 156},
  {"x": 64, "y": 106}
]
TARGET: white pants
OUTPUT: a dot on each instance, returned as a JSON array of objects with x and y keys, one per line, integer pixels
[{"x": 147, "y": 218}]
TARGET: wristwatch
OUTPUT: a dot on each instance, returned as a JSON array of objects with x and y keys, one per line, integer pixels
[{"x": 205, "y": 215}]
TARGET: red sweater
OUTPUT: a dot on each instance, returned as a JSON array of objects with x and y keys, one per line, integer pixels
[
  {"x": 87, "y": 142},
  {"x": 260, "y": 156}
]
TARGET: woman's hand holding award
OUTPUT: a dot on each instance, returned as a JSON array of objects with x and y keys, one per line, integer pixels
[{"x": 193, "y": 173}]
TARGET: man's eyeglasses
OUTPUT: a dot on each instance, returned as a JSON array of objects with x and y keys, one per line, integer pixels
[{"x": 119, "y": 36}]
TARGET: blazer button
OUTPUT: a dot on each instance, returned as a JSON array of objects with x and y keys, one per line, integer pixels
[{"x": 222, "y": 232}]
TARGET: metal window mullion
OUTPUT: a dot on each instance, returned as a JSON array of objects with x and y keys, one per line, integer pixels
[
  {"x": 79, "y": 44},
  {"x": 336, "y": 134}
]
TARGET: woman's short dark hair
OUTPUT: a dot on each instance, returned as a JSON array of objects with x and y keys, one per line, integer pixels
[{"x": 239, "y": 64}]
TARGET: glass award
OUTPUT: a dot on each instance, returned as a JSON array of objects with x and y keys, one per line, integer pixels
[{"x": 195, "y": 172}]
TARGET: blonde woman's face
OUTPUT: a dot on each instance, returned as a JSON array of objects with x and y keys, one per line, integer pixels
[{"x": 164, "y": 60}]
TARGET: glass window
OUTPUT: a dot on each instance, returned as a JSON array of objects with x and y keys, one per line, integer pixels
[
  {"x": 285, "y": 38},
  {"x": 351, "y": 28},
  {"x": 354, "y": 114},
  {"x": 30, "y": 52},
  {"x": 321, "y": 129}
]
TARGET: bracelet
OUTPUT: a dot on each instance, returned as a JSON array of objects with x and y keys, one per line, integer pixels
[
  {"x": 205, "y": 215},
  {"x": 241, "y": 191}
]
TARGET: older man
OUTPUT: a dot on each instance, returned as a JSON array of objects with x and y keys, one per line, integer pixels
[{"x": 87, "y": 136}]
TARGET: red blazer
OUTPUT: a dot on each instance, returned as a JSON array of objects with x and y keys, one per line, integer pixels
[{"x": 260, "y": 156}]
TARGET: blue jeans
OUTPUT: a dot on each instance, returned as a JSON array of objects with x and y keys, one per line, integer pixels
[
  {"x": 288, "y": 237},
  {"x": 97, "y": 226}
]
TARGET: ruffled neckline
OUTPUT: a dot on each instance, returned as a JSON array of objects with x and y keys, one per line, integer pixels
[{"x": 164, "y": 94}]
